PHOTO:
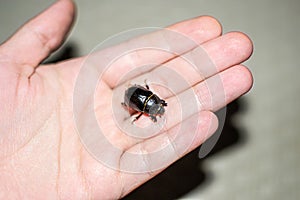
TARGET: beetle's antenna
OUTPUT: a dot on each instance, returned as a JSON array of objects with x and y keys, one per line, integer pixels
[{"x": 146, "y": 84}]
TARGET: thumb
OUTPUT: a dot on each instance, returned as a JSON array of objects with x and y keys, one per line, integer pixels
[{"x": 43, "y": 34}]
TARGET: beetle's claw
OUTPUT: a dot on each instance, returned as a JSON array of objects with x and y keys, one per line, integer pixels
[
  {"x": 153, "y": 118},
  {"x": 132, "y": 122},
  {"x": 163, "y": 103}
]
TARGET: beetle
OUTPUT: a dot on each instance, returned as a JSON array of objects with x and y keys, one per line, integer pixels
[{"x": 144, "y": 101}]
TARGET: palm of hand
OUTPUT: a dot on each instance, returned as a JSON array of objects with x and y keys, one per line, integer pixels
[{"x": 41, "y": 153}]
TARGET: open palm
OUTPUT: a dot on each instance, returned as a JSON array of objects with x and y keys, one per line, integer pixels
[{"x": 41, "y": 153}]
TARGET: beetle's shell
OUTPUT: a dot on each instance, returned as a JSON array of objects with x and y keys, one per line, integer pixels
[
  {"x": 143, "y": 100},
  {"x": 136, "y": 96}
]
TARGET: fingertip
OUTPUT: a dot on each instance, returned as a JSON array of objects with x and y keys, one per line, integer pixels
[
  {"x": 70, "y": 8},
  {"x": 210, "y": 122},
  {"x": 65, "y": 7},
  {"x": 238, "y": 80},
  {"x": 211, "y": 24},
  {"x": 205, "y": 28},
  {"x": 70, "y": 5},
  {"x": 247, "y": 77},
  {"x": 240, "y": 42},
  {"x": 200, "y": 29}
]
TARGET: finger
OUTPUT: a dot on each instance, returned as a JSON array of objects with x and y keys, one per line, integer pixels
[
  {"x": 151, "y": 48},
  {"x": 170, "y": 145},
  {"x": 34, "y": 41},
  {"x": 211, "y": 94},
  {"x": 236, "y": 81},
  {"x": 210, "y": 58},
  {"x": 202, "y": 62}
]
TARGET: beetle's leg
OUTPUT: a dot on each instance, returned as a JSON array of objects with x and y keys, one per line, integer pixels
[
  {"x": 136, "y": 118},
  {"x": 124, "y": 104},
  {"x": 147, "y": 86},
  {"x": 153, "y": 118},
  {"x": 163, "y": 103}
]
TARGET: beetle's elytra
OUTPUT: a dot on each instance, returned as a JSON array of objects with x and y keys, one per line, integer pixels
[{"x": 142, "y": 100}]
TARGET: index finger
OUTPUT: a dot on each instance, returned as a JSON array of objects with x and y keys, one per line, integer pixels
[{"x": 197, "y": 30}]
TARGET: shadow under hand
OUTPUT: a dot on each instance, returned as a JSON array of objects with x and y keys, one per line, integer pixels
[
  {"x": 187, "y": 173},
  {"x": 69, "y": 50}
]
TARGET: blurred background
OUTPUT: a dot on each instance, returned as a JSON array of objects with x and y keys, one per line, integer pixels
[{"x": 257, "y": 156}]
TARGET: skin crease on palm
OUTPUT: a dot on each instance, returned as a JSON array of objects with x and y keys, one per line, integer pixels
[{"x": 41, "y": 156}]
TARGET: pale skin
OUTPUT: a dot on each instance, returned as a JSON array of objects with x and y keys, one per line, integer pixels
[{"x": 41, "y": 156}]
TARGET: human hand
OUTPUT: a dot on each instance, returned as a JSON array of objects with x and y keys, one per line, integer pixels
[{"x": 41, "y": 154}]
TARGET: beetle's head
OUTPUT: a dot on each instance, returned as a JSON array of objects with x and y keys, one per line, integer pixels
[{"x": 157, "y": 109}]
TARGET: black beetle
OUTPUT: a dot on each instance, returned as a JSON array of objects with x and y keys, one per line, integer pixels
[{"x": 142, "y": 100}]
